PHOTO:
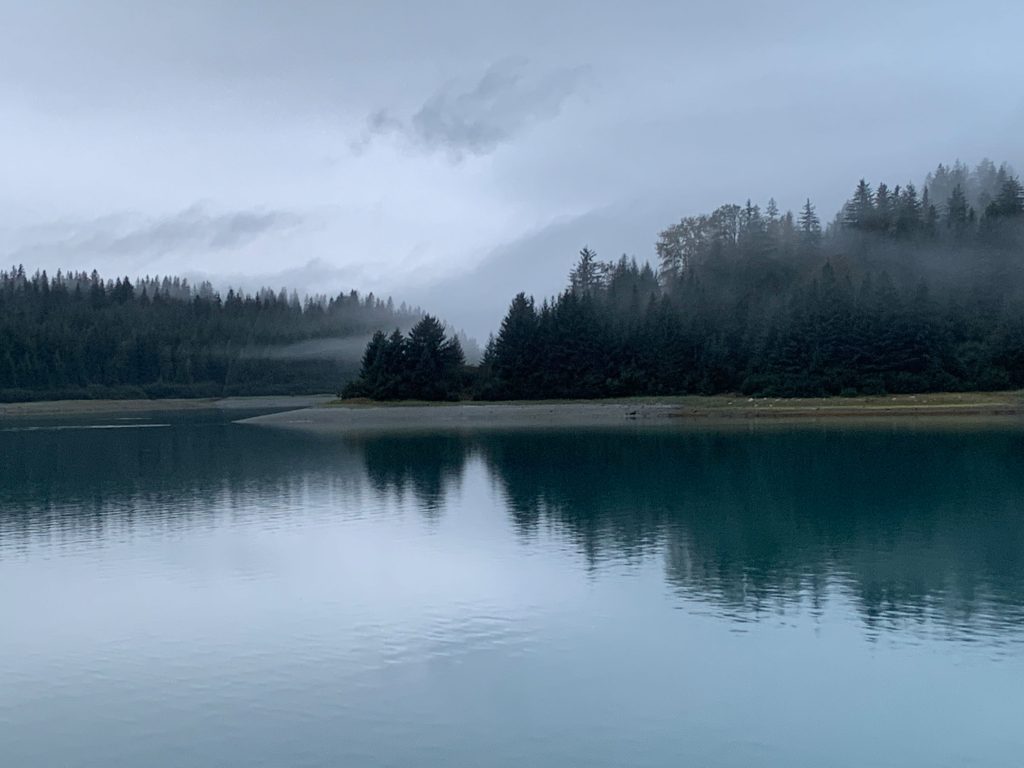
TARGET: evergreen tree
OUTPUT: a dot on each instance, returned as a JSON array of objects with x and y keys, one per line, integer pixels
[
  {"x": 956, "y": 211},
  {"x": 884, "y": 209},
  {"x": 859, "y": 212},
  {"x": 810, "y": 227},
  {"x": 908, "y": 213},
  {"x": 515, "y": 350},
  {"x": 1010, "y": 200},
  {"x": 425, "y": 365},
  {"x": 588, "y": 274}
]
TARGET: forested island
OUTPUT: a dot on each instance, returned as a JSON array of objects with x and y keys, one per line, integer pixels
[{"x": 901, "y": 292}]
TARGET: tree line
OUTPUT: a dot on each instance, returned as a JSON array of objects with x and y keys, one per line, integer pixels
[
  {"x": 79, "y": 335},
  {"x": 900, "y": 292}
]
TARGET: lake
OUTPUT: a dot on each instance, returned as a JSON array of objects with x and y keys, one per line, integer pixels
[{"x": 178, "y": 590}]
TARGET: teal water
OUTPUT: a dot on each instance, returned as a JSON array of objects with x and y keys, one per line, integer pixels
[{"x": 190, "y": 592}]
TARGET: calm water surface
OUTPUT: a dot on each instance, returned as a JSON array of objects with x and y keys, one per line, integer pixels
[{"x": 211, "y": 594}]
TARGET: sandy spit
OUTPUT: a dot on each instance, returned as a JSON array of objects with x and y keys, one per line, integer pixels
[
  {"x": 958, "y": 410},
  {"x": 342, "y": 419}
]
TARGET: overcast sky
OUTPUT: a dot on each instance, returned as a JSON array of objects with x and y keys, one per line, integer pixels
[{"x": 413, "y": 148}]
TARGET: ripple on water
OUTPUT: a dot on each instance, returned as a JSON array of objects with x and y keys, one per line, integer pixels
[{"x": 220, "y": 596}]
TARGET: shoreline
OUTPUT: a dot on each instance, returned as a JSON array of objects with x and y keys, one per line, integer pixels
[
  {"x": 322, "y": 414},
  {"x": 75, "y": 408},
  {"x": 363, "y": 417}
]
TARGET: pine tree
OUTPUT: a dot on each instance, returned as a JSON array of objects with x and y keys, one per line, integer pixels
[
  {"x": 929, "y": 216},
  {"x": 884, "y": 209},
  {"x": 515, "y": 349},
  {"x": 588, "y": 274},
  {"x": 371, "y": 373},
  {"x": 1009, "y": 201},
  {"x": 984, "y": 184},
  {"x": 956, "y": 212},
  {"x": 810, "y": 227},
  {"x": 908, "y": 213},
  {"x": 859, "y": 212},
  {"x": 753, "y": 230}
]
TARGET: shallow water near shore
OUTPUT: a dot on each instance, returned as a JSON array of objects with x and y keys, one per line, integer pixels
[{"x": 214, "y": 593}]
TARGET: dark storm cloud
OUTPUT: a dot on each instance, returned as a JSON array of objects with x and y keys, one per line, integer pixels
[
  {"x": 194, "y": 228},
  {"x": 501, "y": 105}
]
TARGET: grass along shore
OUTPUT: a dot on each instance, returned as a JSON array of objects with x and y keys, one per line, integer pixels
[{"x": 740, "y": 404}]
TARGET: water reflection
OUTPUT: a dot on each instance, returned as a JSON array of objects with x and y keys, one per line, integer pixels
[
  {"x": 919, "y": 529},
  {"x": 427, "y": 467},
  {"x": 75, "y": 484},
  {"x": 915, "y": 526}
]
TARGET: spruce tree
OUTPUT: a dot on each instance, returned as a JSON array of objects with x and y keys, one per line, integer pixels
[
  {"x": 956, "y": 212},
  {"x": 810, "y": 227},
  {"x": 859, "y": 211}
]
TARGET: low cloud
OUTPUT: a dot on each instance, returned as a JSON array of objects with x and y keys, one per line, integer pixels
[
  {"x": 539, "y": 262},
  {"x": 501, "y": 105},
  {"x": 314, "y": 277},
  {"x": 194, "y": 229}
]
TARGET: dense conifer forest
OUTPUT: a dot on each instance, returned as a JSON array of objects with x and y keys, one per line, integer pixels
[
  {"x": 78, "y": 335},
  {"x": 901, "y": 292}
]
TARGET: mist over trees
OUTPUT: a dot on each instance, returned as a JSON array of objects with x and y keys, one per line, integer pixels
[
  {"x": 78, "y": 335},
  {"x": 901, "y": 292}
]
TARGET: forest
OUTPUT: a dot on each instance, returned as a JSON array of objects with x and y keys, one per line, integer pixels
[
  {"x": 901, "y": 292},
  {"x": 77, "y": 335}
]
